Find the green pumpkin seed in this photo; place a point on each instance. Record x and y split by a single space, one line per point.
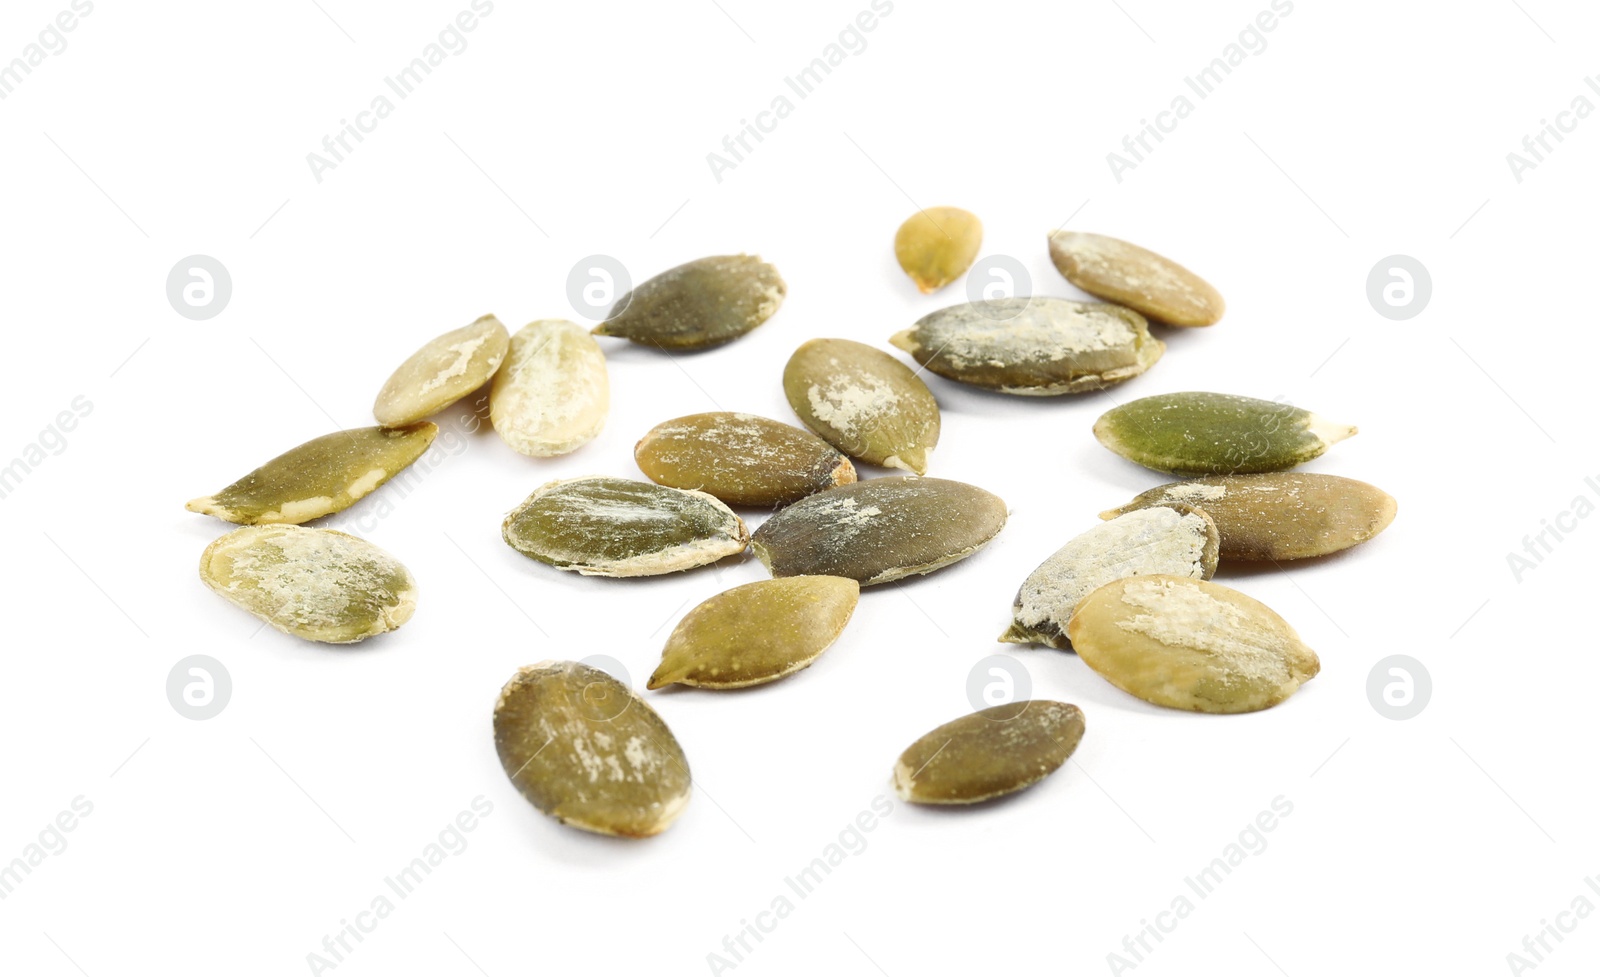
584 749
1035 346
323 476
864 402
741 459
442 372
698 305
1127 274
989 753
1190 644
619 527
1173 539
936 246
880 530
756 633
552 395
316 584
1216 434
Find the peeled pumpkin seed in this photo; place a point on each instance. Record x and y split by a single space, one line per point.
316 584
584 749
1173 539
880 530
1127 274
1035 346
989 753
552 395
323 476
698 305
936 246
1216 434
1190 644
756 633
864 402
442 372
619 527
1279 515
741 459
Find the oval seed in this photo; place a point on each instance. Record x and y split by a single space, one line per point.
1215 434
936 246
1035 345
741 459
756 633
316 584
989 753
1127 274
864 402
880 530
1190 644
619 527
442 372
584 749
698 305
323 476
1173 539
552 395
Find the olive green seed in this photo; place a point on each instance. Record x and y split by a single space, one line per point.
698 305
741 459
1114 270
864 402
990 753
1216 434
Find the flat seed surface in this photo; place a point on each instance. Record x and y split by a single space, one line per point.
698 305
989 753
741 459
316 584
1190 644
584 749
323 476
553 394
442 372
864 402
1129 275
1199 433
936 246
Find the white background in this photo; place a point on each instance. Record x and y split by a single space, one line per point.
234 845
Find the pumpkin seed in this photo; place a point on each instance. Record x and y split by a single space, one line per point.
619 527
1172 539
880 530
1216 434
584 749
698 305
316 584
989 753
442 372
1035 346
552 395
323 476
741 459
1127 274
1190 644
756 633
864 402
936 246
1279 515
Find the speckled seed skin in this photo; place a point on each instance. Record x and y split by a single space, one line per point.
316 584
1190 644
1197 433
582 748
1173 539
698 305
989 753
936 246
323 476
864 402
553 394
1033 346
880 530
1142 280
741 459
442 372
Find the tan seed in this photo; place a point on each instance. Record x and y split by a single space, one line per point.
864 402
989 753
936 246
553 394
442 372
1127 274
741 459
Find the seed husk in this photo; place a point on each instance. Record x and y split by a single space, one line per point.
741 459
1190 644
936 246
698 305
1033 345
443 371
880 530
864 402
1173 539
620 527
323 476
756 633
989 753
1144 281
1216 434
552 395
584 749
1279 515
316 584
